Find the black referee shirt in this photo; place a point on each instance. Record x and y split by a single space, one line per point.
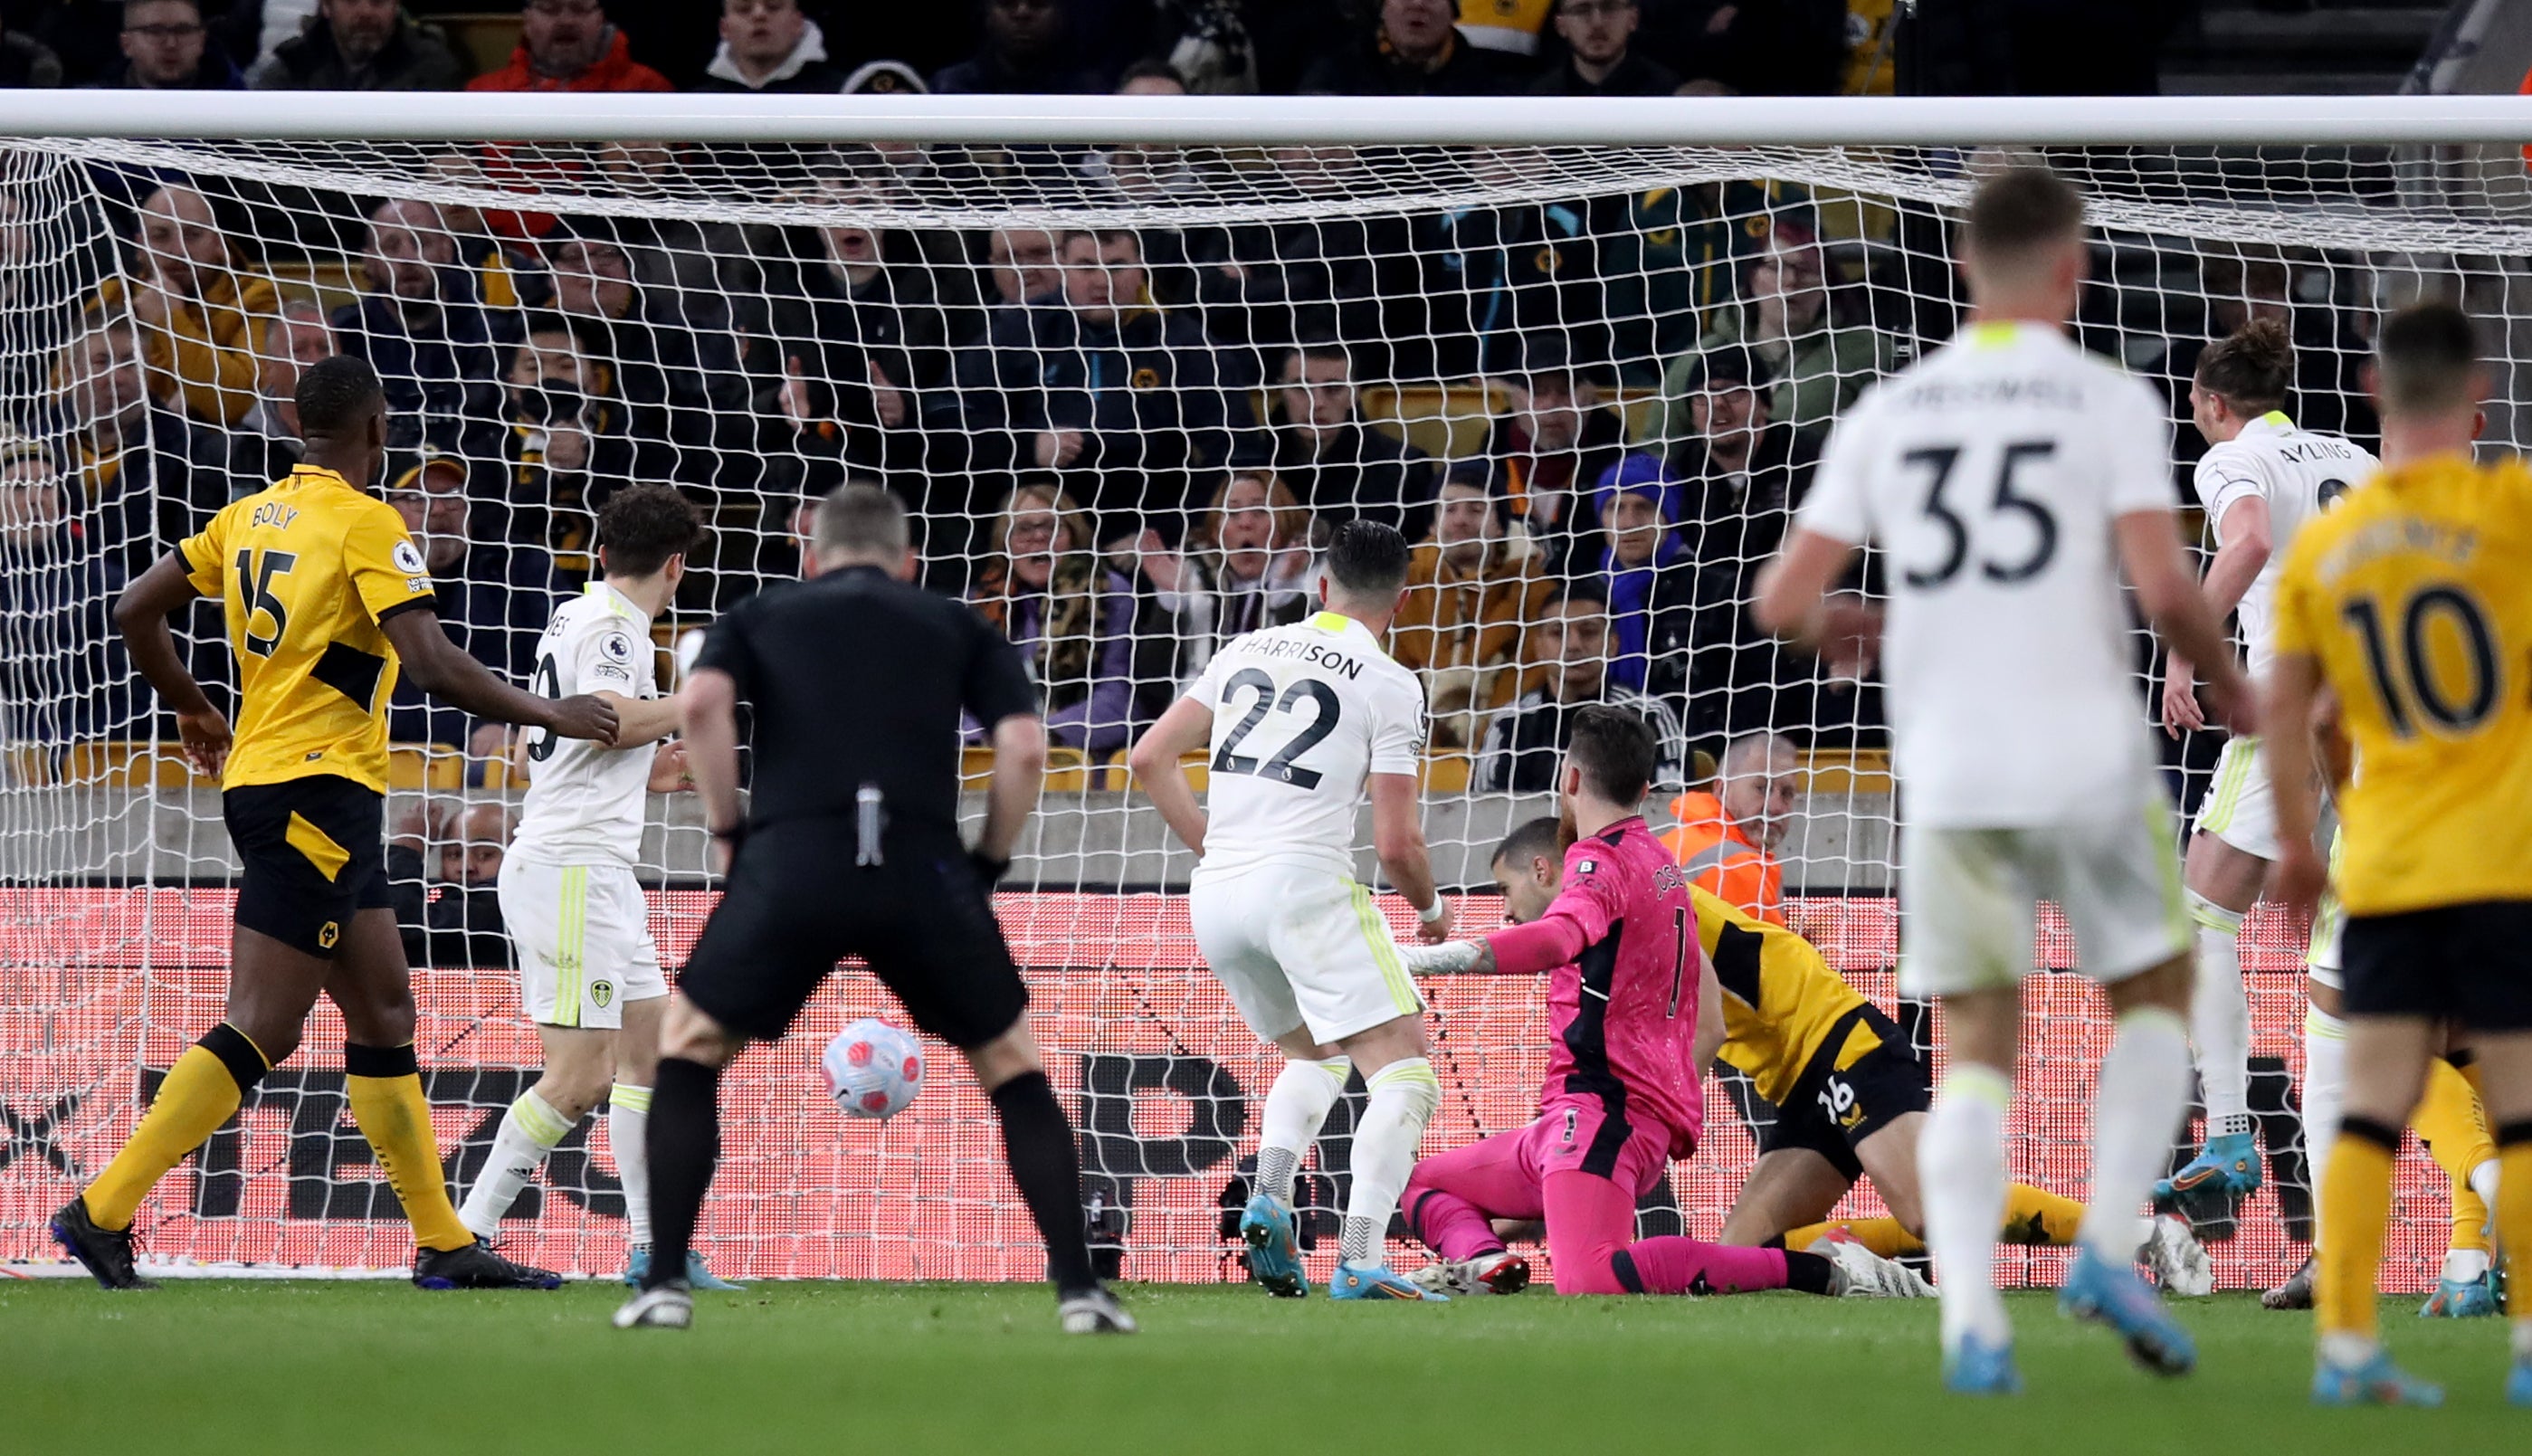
856 677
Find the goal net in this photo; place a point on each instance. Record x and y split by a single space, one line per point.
1125 390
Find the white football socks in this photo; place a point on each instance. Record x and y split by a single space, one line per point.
2325 1092
1960 1155
1295 1108
530 1130
2220 1019
1403 1095
2137 1107
628 1127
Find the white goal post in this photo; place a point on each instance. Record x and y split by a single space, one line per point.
1125 358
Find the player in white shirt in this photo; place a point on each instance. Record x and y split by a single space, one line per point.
2006 478
588 972
2261 478
1304 722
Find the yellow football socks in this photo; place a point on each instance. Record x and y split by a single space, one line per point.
2356 1205
2032 1216
1886 1237
2515 1227
385 1087
202 1091
2448 1122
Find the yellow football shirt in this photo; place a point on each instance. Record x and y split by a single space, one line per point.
1781 999
306 570
2415 595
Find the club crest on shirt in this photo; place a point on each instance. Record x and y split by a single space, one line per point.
407 557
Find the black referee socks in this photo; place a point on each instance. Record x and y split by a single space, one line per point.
684 1145
1037 1143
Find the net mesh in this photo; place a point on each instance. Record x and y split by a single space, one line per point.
1124 393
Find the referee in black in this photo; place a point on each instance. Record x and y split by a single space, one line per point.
850 846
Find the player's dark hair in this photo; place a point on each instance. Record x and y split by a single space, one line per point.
1531 841
2020 211
334 393
1366 559
861 520
2426 356
1616 752
2253 367
639 527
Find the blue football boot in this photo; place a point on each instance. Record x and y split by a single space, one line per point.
2376 1382
1273 1251
2115 1294
1377 1282
1973 1367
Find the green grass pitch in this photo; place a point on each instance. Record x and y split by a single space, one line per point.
378 1367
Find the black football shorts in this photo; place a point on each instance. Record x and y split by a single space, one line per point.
2470 963
314 854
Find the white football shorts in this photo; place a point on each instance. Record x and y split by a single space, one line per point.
2328 923
1300 947
1969 899
582 934
2239 808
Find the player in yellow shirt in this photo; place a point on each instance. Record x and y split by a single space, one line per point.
1835 1091
324 593
2412 604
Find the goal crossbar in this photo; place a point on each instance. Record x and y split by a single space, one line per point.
1252 121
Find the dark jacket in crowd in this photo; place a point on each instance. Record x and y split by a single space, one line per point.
1635 75
1495 273
495 605
1735 678
1147 393
63 675
1368 68
439 362
413 60
456 926
1365 474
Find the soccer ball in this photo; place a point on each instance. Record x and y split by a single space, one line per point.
872 1068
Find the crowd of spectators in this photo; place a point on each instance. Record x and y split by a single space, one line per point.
990 47
1122 443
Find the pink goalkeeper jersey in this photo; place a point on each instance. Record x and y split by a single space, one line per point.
1622 1000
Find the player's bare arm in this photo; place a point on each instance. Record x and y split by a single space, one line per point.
1019 772
640 721
442 668
1156 765
2293 689
1709 1018
709 709
1398 839
2243 545
2157 567
140 614
1793 600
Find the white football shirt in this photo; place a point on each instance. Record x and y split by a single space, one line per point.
2298 473
585 802
1990 473
1301 715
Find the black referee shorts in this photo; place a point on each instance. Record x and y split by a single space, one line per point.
2470 963
314 851
796 903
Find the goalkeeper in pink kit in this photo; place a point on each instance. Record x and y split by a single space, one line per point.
1635 1020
